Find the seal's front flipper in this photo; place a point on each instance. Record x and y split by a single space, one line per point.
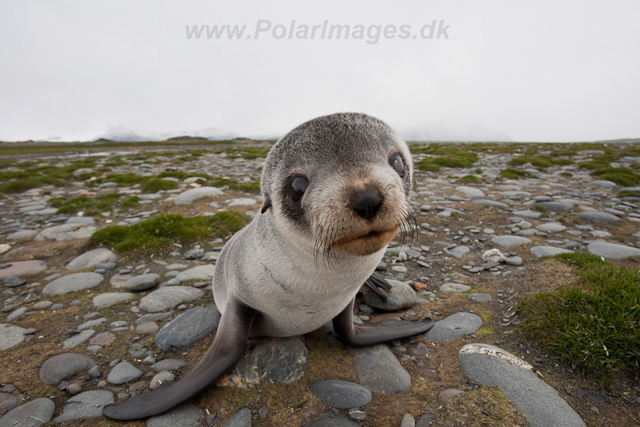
373 333
376 284
227 348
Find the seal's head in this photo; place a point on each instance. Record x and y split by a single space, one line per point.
341 181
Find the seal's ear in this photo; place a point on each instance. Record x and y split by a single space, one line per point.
266 205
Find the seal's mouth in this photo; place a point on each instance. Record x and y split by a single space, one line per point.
365 243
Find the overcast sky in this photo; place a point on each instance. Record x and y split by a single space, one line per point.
527 70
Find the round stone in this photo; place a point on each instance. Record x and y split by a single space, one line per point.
64 366
510 241
10 336
32 414
92 259
123 372
341 394
143 282
612 251
112 298
453 327
72 283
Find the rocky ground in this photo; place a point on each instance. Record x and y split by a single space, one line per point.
84 326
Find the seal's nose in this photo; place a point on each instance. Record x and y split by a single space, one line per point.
366 202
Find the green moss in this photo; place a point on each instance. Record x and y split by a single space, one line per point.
19 186
470 179
539 208
621 176
164 229
510 173
567 174
540 161
594 325
153 185
599 162
627 193
130 202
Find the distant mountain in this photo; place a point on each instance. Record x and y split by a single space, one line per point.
123 134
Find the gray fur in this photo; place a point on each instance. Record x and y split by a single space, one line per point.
278 263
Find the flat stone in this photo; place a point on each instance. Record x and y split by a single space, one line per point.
399 296
557 206
104 339
10 336
201 272
88 404
471 192
21 234
123 372
492 203
379 370
91 323
551 227
480 297
16 313
193 194
188 328
540 251
330 419
341 394
168 365
454 287
601 217
510 241
23 268
604 183
242 202
169 297
72 283
32 414
612 251
142 283
64 366
276 360
78 339
112 298
91 259
528 213
148 328
514 194
242 418
65 232
458 251
14 281
186 415
453 327
540 404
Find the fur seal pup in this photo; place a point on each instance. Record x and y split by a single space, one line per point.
336 191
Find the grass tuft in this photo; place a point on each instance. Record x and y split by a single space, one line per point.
595 326
621 176
511 173
164 229
153 185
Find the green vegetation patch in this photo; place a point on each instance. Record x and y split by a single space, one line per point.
183 175
621 176
629 193
164 229
540 161
89 205
470 179
447 155
511 173
250 187
153 185
595 325
599 162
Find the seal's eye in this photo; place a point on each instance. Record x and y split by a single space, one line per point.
298 187
396 163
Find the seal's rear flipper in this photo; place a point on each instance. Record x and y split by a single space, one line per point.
373 333
376 283
227 348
